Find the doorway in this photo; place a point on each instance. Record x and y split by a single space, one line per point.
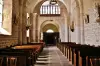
50 38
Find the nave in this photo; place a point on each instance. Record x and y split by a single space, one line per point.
28 26
52 56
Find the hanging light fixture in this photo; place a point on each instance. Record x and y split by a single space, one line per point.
53 2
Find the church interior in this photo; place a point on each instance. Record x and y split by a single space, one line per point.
49 32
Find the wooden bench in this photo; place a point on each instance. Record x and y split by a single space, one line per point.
80 55
37 47
15 57
91 53
23 52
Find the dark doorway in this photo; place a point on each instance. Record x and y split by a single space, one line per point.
51 38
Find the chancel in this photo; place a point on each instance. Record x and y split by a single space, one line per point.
49 32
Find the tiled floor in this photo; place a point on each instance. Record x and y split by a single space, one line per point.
51 56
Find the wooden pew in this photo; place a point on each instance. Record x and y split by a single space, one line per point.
81 55
69 50
35 53
92 53
13 57
42 44
13 51
76 58
38 47
62 47
94 61
65 48
83 52
74 53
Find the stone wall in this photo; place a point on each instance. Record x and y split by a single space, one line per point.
92 29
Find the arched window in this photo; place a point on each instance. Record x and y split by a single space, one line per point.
1 9
50 8
49 31
6 17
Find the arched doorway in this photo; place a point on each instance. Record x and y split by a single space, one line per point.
50 34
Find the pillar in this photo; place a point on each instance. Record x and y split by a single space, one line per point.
39 35
69 21
78 29
35 27
82 24
31 36
68 24
82 30
66 31
24 37
20 22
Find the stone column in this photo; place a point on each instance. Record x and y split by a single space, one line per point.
68 24
24 37
20 22
82 24
69 21
82 30
39 35
78 30
34 26
31 36
66 31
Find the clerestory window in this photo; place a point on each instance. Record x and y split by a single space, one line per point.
50 8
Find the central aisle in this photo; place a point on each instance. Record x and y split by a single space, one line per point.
51 56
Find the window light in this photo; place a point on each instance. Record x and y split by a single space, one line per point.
50 31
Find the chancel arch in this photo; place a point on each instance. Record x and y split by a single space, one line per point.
50 30
58 19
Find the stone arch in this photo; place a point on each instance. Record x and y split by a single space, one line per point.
65 14
50 26
60 3
41 2
46 22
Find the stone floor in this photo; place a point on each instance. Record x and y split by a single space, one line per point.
51 56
